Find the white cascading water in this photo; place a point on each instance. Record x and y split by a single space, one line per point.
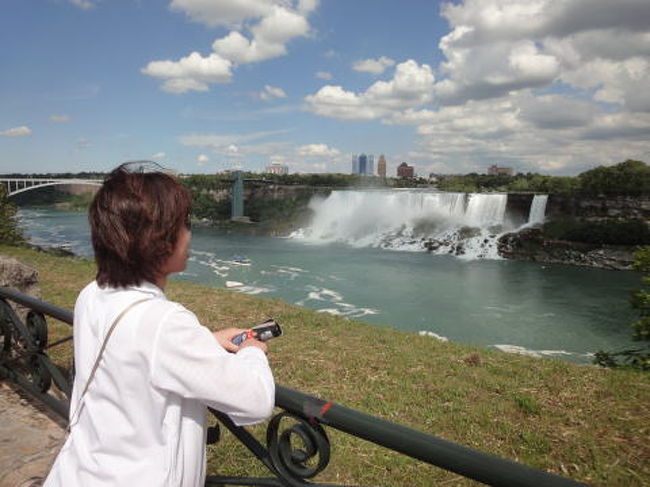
537 209
466 225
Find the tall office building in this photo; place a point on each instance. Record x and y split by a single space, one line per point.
381 166
363 164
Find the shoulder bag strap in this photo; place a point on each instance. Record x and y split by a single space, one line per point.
99 356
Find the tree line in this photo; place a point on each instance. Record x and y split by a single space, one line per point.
626 178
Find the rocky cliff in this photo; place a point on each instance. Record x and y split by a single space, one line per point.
593 208
530 244
586 230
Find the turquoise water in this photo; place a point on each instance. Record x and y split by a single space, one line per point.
546 310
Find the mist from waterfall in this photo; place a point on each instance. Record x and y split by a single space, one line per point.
466 225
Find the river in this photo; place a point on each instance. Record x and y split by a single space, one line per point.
542 310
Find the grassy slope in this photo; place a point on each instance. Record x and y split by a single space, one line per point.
587 423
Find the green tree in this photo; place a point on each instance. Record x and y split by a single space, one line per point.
638 358
629 177
641 298
9 232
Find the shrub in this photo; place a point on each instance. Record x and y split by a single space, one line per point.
9 232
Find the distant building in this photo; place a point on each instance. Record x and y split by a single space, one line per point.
405 171
276 168
381 166
363 164
495 170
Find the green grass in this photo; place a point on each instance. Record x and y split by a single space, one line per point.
587 423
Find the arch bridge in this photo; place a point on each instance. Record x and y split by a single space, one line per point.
20 185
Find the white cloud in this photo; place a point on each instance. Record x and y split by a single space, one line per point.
272 92
323 75
60 118
227 13
226 143
620 82
499 46
269 38
83 4
193 72
373 66
317 150
412 85
547 133
158 155
551 85
492 70
556 111
202 159
21 131
269 24
486 21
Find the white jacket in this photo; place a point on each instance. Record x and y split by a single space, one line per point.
143 419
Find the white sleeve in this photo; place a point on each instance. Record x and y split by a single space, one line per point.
188 360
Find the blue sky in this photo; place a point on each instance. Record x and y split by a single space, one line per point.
555 86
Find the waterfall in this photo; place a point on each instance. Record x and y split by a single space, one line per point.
486 209
462 224
537 209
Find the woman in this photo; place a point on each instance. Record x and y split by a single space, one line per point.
142 419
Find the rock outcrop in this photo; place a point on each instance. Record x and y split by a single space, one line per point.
531 245
596 208
21 277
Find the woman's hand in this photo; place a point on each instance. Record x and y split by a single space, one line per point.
252 342
224 337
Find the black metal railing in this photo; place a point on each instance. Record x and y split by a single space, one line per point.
297 446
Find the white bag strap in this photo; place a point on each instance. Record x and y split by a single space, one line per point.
99 357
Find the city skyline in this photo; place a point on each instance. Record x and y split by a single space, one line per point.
200 87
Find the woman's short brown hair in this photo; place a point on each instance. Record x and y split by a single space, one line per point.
135 219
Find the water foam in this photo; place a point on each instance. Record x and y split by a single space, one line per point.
536 353
466 225
335 304
431 334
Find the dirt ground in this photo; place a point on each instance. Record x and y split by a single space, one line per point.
30 437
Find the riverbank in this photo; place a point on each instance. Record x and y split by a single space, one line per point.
584 422
531 245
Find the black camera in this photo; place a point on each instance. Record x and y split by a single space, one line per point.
262 332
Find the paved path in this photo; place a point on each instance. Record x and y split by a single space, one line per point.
30 437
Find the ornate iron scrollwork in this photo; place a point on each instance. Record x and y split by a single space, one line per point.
38 372
23 345
5 331
292 461
37 327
